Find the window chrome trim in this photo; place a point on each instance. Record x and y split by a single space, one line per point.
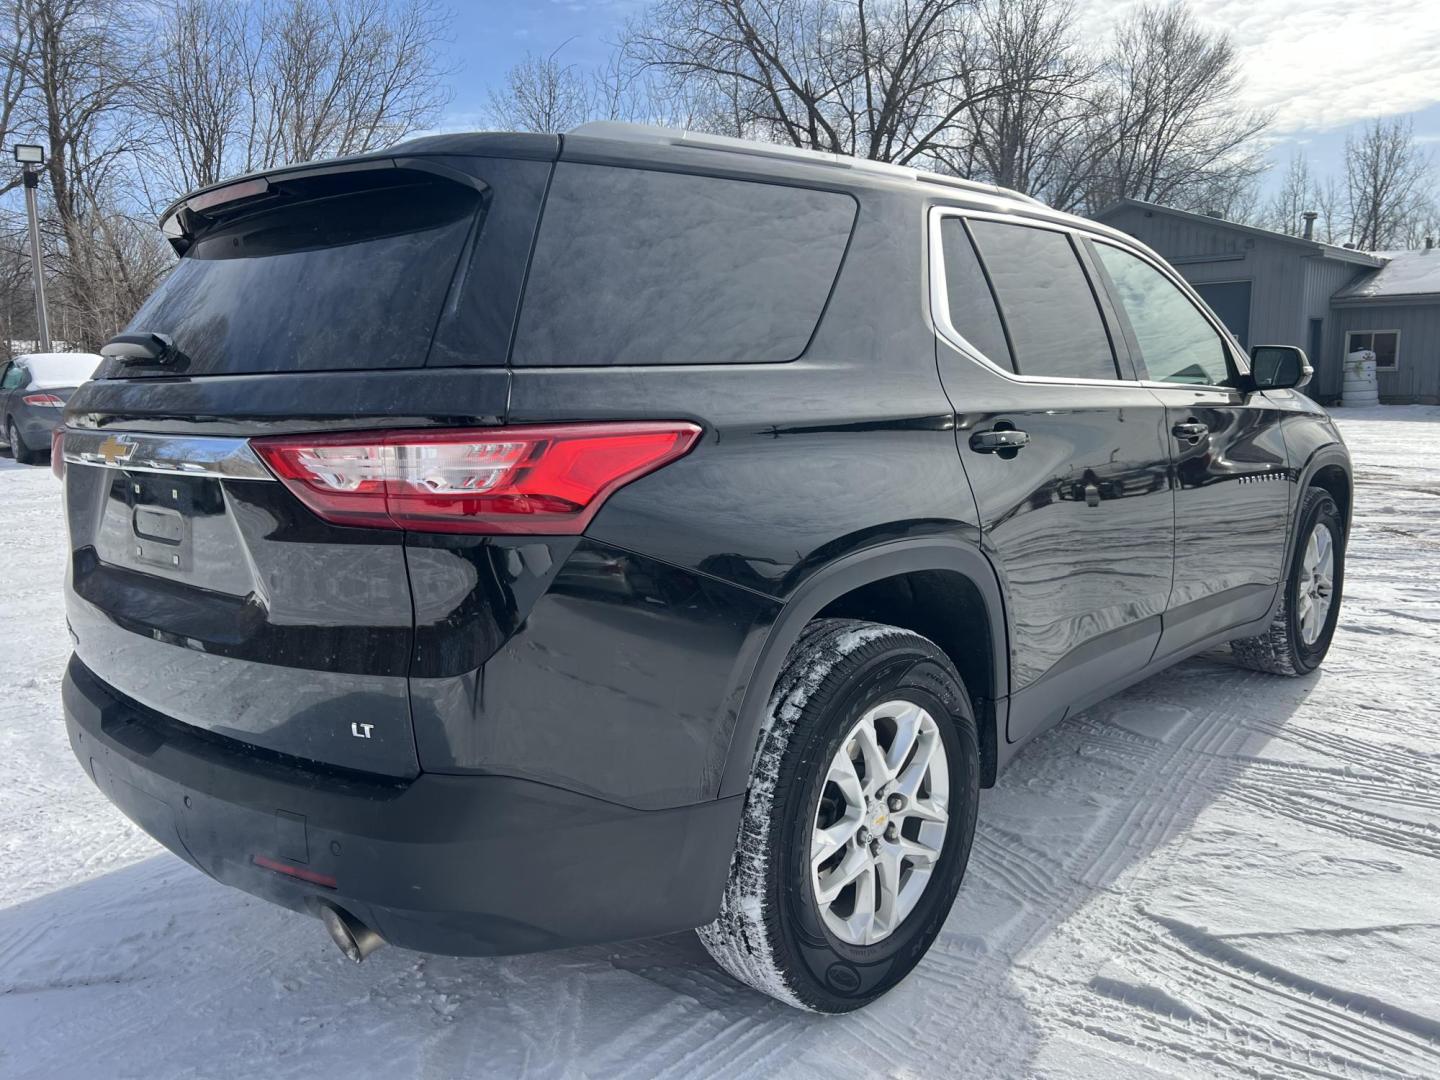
170 455
940 304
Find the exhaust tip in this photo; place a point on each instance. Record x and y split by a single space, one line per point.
351 936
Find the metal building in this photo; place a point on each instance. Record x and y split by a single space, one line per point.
1273 289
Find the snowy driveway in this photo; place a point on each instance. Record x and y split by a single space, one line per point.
1218 874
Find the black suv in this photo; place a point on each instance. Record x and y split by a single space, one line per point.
503 542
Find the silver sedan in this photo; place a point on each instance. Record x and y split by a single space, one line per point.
33 391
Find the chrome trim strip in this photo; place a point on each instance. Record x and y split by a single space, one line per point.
171 455
940 299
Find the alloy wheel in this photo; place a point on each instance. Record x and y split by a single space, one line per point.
880 825
1316 587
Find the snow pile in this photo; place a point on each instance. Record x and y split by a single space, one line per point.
1218 874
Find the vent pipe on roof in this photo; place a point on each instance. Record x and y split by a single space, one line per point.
1349 246
1309 216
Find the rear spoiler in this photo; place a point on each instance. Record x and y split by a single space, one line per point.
189 215
192 213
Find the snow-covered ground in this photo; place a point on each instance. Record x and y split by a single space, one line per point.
1218 874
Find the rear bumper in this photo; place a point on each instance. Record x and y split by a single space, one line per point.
37 425
463 865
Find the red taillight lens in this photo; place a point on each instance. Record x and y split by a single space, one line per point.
57 452
45 401
480 480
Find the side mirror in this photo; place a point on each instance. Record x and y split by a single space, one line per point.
1279 367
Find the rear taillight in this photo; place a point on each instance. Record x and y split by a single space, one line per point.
45 401
57 452
480 480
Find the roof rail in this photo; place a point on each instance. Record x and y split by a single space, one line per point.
612 129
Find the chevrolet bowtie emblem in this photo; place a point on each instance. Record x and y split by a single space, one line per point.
115 449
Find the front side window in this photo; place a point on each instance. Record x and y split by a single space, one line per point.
1385 344
1046 301
1177 343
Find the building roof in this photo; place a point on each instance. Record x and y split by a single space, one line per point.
1313 247
1407 276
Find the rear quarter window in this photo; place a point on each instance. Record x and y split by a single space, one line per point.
642 267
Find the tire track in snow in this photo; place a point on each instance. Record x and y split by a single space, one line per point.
1196 768
1353 822
1380 1030
1244 1008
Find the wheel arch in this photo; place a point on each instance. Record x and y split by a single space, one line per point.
1334 477
1328 468
911 584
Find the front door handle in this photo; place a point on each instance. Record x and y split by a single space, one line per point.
1191 431
998 441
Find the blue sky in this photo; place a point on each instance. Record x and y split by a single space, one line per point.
492 35
1324 66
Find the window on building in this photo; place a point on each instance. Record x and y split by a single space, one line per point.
1046 300
1385 344
1177 342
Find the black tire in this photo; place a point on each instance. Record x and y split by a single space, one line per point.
22 453
1283 650
769 932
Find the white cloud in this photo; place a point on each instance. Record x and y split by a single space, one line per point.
1323 64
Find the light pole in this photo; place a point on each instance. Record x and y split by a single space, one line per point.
32 158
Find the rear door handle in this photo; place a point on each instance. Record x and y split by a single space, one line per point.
1191 431
999 440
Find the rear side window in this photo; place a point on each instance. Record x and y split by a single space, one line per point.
1177 343
354 279
971 304
1046 301
641 267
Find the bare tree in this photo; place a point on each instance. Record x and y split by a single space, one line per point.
197 97
885 79
1176 134
1422 224
1329 204
1035 130
331 77
250 86
542 94
1387 176
82 70
81 75
17 55
1297 193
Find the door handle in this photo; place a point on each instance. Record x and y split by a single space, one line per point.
1190 431
998 441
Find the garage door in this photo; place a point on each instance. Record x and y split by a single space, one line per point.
1231 301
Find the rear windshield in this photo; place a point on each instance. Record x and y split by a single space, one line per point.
355 279
643 267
